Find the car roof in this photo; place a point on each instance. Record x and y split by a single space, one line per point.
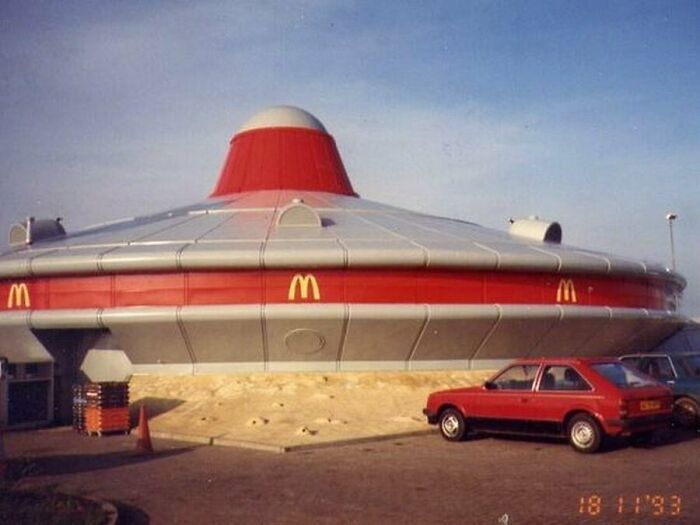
661 354
564 360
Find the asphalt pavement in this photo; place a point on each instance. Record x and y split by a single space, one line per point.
425 479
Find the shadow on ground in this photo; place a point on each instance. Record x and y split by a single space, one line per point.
130 514
76 463
668 438
155 406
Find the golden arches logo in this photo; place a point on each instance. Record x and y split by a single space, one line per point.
18 296
566 291
303 282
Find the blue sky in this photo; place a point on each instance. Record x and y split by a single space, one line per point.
583 112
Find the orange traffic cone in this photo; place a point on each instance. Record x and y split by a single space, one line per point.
144 438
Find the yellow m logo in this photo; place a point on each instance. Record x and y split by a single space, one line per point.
302 282
566 291
18 296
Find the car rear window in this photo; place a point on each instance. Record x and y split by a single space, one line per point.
562 378
622 376
691 364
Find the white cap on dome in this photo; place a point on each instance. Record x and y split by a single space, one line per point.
283 117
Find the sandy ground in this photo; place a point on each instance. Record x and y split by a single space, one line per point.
287 410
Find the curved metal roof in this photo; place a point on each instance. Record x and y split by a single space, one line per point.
242 231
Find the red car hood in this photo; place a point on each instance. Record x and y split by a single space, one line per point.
465 390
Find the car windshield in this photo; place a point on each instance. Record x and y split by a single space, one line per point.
690 364
622 376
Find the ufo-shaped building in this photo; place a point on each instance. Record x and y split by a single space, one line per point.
285 268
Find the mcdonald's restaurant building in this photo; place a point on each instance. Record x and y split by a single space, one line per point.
284 268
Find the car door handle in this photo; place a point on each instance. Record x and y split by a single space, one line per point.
524 400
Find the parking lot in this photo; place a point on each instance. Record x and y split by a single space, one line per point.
418 480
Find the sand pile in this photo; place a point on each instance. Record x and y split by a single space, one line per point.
285 409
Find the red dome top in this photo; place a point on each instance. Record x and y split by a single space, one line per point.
283 148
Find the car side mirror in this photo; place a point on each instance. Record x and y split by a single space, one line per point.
490 385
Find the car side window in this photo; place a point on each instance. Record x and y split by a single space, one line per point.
634 362
659 368
562 378
690 364
517 377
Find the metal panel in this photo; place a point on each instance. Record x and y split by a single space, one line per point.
316 199
14 319
407 226
189 231
224 334
517 331
123 232
356 204
574 261
301 235
465 231
454 332
573 331
655 329
489 364
348 226
148 335
356 366
387 252
17 265
163 369
228 368
19 345
303 333
242 226
382 332
248 200
624 323
514 256
303 254
301 366
141 258
69 261
616 265
144 290
239 254
458 364
65 319
458 254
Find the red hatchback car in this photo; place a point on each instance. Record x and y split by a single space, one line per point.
582 399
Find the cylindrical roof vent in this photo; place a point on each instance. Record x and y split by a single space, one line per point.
536 229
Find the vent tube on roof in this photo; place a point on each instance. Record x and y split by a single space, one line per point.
536 230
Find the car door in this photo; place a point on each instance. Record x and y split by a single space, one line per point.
560 388
504 406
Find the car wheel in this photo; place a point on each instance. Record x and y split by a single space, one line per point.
452 425
584 434
686 412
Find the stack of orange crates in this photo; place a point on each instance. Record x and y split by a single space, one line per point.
106 408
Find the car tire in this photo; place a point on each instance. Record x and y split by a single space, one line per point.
584 434
686 412
452 425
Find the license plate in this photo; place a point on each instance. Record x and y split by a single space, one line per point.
650 405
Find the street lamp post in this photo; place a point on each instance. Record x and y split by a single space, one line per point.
670 217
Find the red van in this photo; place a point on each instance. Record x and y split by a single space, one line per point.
583 399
